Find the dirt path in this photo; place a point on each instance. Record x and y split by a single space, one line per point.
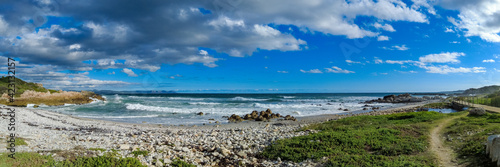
443 153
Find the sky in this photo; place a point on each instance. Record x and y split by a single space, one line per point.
282 46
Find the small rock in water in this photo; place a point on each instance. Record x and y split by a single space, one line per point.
200 113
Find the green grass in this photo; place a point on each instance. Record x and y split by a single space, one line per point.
468 135
388 140
139 152
180 163
98 149
33 159
21 86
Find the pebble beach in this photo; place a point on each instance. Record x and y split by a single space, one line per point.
230 144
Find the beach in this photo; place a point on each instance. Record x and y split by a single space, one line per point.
208 145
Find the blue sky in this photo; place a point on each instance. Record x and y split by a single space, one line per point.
254 46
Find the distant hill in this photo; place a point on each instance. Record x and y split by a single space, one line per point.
483 90
21 86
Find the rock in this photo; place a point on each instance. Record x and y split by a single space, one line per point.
200 113
254 114
365 108
268 111
288 117
260 118
124 147
235 118
346 109
36 106
248 117
477 111
225 151
158 163
167 161
242 154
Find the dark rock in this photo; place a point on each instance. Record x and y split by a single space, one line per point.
365 108
346 109
260 118
235 118
248 117
340 109
200 113
288 117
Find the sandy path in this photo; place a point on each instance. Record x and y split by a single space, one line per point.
443 153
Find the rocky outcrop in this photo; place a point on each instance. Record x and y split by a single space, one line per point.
255 115
457 106
403 98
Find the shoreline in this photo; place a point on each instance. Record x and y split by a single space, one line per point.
205 145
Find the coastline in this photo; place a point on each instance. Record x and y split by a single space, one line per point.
207 145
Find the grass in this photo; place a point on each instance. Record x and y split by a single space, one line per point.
139 152
36 160
387 140
32 93
97 149
467 136
180 163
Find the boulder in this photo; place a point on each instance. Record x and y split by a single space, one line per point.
477 111
235 118
288 117
200 113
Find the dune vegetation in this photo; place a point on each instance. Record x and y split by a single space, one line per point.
387 140
33 93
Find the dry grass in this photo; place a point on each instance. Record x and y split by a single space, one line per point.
51 99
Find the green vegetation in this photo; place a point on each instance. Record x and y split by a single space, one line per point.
483 90
20 141
33 93
36 160
467 136
492 99
21 86
387 140
180 163
25 159
103 161
139 152
98 149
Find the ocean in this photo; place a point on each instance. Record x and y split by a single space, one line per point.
181 109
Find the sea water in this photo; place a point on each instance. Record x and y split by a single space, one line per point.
177 109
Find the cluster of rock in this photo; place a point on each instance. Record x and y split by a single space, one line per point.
403 98
262 116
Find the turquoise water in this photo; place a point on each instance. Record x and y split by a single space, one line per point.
175 109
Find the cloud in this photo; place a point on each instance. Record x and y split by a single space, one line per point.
378 60
284 72
129 72
382 38
399 62
352 62
336 69
316 71
386 27
396 47
476 18
448 30
446 57
489 61
444 69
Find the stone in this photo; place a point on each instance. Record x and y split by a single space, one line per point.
242 154
225 151
477 111
124 147
200 113
235 118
